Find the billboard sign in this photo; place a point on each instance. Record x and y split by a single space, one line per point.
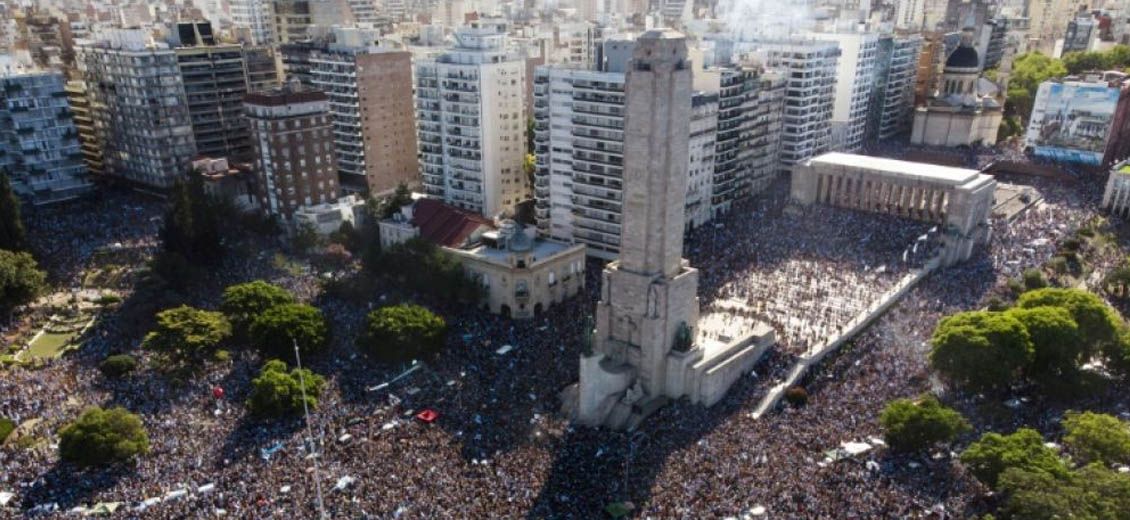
1071 121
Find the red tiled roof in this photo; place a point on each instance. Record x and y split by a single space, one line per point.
444 225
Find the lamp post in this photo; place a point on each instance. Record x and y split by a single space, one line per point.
309 433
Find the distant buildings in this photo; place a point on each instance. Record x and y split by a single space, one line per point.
472 119
1084 120
256 17
138 106
892 96
39 146
294 153
854 80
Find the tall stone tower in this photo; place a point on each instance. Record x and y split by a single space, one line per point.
649 294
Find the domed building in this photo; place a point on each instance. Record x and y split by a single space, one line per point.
966 108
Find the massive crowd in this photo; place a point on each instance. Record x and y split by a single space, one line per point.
498 449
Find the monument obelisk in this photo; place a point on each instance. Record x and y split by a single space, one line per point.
649 295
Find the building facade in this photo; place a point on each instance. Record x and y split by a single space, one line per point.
256 17
292 135
471 115
701 164
1081 119
215 81
892 98
855 79
370 91
138 106
39 145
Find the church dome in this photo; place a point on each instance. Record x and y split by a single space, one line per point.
964 57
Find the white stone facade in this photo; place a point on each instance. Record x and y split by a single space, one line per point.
472 119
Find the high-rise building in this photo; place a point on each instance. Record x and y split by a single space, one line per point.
215 81
809 71
256 17
84 124
292 20
262 71
472 117
139 107
700 166
292 132
370 92
39 146
855 77
892 98
579 146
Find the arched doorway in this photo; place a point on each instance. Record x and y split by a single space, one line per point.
537 310
504 311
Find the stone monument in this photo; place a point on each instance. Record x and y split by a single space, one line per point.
647 346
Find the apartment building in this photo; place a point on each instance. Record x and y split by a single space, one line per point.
892 98
256 18
84 125
370 94
855 78
294 162
215 81
471 114
808 69
39 146
138 107
704 129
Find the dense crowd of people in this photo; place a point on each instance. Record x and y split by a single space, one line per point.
499 448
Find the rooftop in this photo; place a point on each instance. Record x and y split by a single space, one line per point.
542 249
948 175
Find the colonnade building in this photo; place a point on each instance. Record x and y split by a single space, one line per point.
960 199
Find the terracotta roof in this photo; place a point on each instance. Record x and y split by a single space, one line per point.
445 225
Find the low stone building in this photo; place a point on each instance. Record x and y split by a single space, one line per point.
522 275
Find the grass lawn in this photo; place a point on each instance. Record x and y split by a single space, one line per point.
48 345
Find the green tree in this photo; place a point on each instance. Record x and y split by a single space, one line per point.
191 227
402 332
1056 341
1028 71
7 426
101 437
305 237
277 393
12 234
433 272
243 302
1079 62
917 425
1034 279
1099 326
400 198
1024 449
21 280
277 329
981 350
1093 492
117 365
1096 437
185 335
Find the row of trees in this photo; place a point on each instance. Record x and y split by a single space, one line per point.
1038 482
1044 339
418 265
1031 69
21 279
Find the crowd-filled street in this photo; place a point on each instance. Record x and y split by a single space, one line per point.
499 448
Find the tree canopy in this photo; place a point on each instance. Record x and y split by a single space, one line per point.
12 234
1096 437
1098 324
917 425
185 335
243 302
981 350
1028 71
101 437
21 280
190 232
276 329
1056 342
403 332
432 272
277 392
1024 449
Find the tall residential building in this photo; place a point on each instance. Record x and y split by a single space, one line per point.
855 77
700 158
39 146
215 81
472 119
256 17
892 98
294 153
262 71
370 92
138 106
84 124
292 19
579 145
809 71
